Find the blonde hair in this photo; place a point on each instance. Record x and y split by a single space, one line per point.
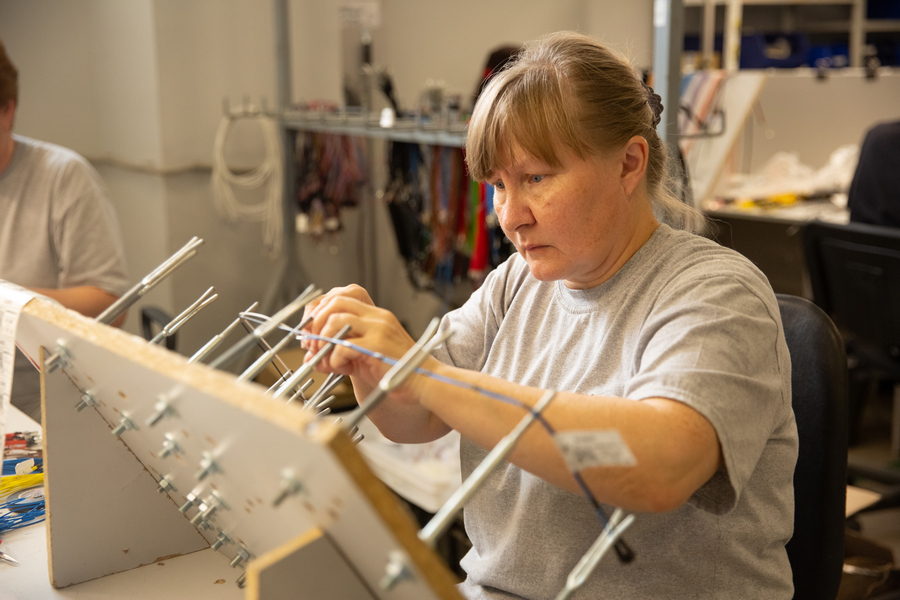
569 89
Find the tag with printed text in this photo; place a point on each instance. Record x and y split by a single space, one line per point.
594 448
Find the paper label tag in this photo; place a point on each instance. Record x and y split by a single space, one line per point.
12 299
594 448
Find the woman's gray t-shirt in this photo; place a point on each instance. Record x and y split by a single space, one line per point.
684 319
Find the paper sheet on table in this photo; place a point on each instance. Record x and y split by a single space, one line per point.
12 299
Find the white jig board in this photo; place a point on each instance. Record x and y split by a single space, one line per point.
252 438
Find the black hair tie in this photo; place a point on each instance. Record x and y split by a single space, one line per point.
655 102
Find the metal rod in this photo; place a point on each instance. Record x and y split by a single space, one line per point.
146 284
608 537
208 297
281 367
397 374
261 362
329 384
308 295
299 392
327 402
439 523
187 252
214 343
306 369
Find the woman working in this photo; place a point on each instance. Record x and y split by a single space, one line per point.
644 328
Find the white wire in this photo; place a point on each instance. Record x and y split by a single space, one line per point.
269 173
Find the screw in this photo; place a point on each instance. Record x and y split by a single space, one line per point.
242 555
189 502
125 423
170 446
163 409
395 571
221 540
87 399
165 485
207 466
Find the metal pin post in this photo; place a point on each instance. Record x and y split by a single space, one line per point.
221 540
214 343
439 523
260 363
308 367
146 284
329 384
397 374
308 295
208 297
608 537
299 391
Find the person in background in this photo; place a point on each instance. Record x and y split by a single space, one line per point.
59 235
874 195
641 326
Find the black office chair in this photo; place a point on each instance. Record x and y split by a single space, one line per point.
153 319
854 270
819 399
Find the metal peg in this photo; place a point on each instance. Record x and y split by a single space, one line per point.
208 297
397 374
210 346
439 523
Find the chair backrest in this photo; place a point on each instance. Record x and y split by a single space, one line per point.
854 270
819 390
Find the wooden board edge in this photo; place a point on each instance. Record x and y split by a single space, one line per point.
441 580
246 396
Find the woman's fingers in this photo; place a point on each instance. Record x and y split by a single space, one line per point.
315 308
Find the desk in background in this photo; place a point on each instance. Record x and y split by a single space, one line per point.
772 239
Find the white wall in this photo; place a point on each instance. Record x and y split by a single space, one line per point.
138 87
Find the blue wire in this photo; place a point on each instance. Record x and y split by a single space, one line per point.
465 385
23 512
9 465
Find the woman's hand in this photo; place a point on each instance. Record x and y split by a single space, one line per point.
372 328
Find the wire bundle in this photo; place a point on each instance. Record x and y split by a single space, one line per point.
269 173
10 464
22 510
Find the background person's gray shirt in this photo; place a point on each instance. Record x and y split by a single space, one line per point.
684 319
58 230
